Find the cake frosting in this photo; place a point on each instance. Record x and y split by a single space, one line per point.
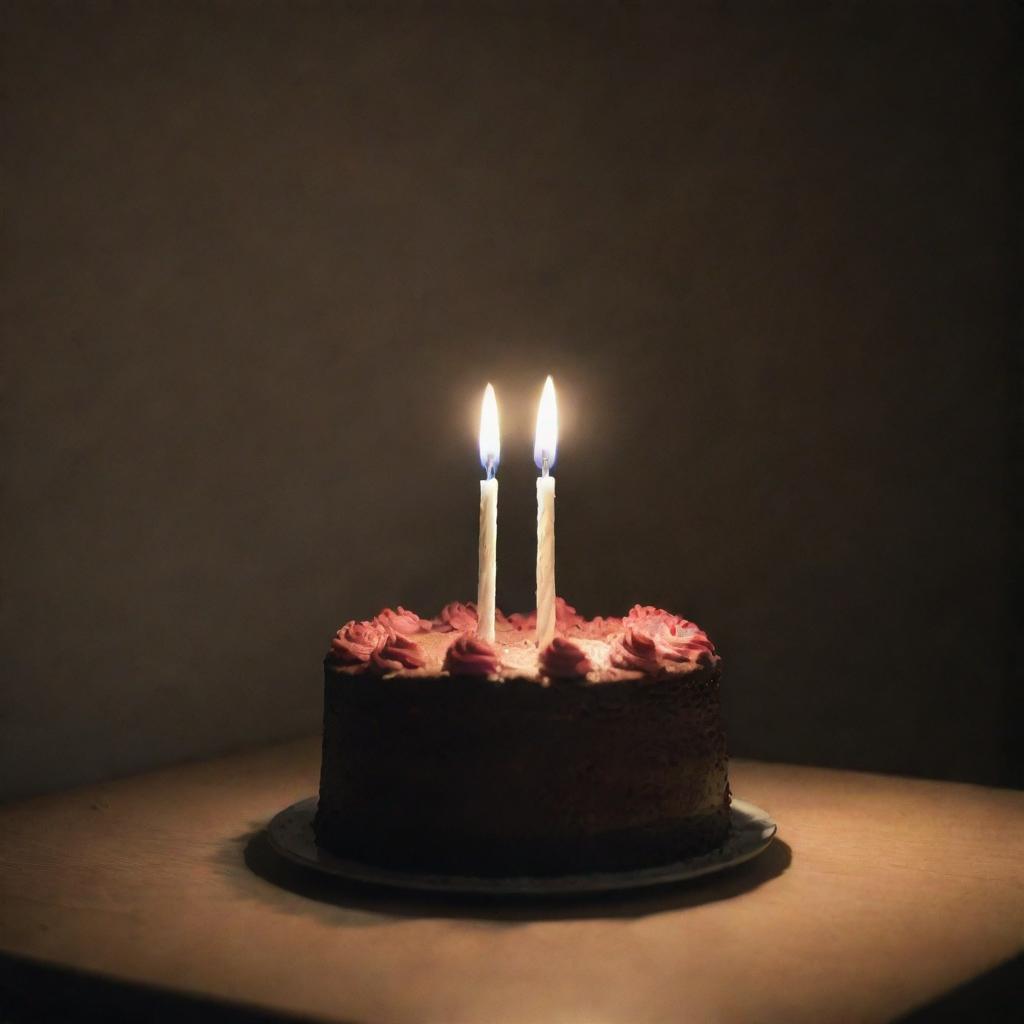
564 659
401 620
456 617
471 656
636 649
355 643
396 653
646 642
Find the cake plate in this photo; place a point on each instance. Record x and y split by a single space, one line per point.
291 835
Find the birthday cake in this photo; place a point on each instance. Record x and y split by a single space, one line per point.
448 754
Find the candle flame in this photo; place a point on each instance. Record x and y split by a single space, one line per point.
545 444
490 439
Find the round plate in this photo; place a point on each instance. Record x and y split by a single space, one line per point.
291 835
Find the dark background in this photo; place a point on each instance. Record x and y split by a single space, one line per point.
260 259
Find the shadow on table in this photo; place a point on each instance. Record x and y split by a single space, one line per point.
362 904
33 992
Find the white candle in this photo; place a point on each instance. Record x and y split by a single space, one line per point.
544 449
487 569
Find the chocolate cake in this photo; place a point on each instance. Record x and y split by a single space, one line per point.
447 754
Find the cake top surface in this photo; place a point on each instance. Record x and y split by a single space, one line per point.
646 642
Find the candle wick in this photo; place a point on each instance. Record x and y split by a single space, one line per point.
544 468
490 468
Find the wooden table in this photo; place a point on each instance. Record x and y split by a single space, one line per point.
878 895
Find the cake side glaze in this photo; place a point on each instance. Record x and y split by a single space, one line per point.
467 775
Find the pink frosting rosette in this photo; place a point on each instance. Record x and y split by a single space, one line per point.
456 618
471 656
637 651
564 659
395 652
355 642
686 643
401 620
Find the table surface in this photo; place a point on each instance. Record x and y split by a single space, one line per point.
878 895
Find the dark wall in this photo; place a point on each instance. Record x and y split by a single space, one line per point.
260 260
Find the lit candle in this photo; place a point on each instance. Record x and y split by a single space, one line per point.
544 446
487 571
